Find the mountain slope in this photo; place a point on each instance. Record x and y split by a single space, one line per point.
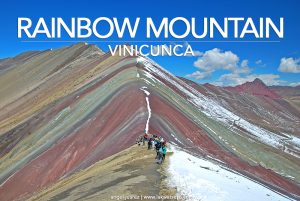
63 117
291 94
131 170
286 91
276 115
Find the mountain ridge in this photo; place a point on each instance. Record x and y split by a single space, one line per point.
256 87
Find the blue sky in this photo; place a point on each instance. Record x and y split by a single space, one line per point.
250 59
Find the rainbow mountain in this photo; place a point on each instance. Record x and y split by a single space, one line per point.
67 113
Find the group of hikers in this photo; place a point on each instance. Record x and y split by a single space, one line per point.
156 142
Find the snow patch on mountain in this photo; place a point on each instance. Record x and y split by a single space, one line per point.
145 91
211 182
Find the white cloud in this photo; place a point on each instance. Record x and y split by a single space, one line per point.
199 75
244 63
243 69
233 79
293 84
239 72
197 53
289 65
258 62
216 59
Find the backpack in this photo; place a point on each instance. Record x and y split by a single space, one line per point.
164 150
157 145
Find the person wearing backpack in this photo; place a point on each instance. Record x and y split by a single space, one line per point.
150 143
157 147
145 138
164 150
162 154
139 140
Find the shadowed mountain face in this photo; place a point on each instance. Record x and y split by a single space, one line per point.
63 110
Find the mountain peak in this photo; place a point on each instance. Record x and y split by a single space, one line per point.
257 88
258 81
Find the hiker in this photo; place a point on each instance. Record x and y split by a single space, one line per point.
139 140
157 147
145 138
162 139
161 154
153 142
164 150
150 143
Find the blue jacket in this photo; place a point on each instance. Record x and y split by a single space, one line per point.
163 150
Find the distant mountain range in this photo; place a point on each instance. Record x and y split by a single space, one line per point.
256 88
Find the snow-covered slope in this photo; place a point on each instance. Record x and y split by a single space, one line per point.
202 180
